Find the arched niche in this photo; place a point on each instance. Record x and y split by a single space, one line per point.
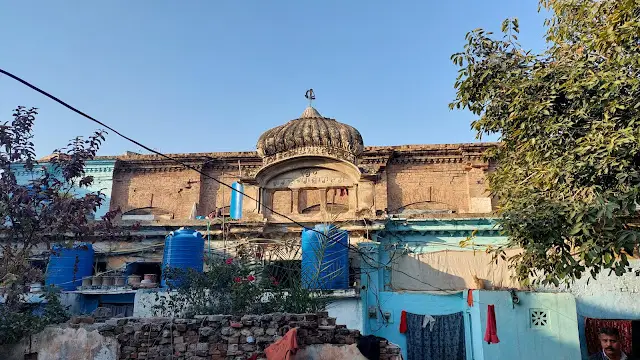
275 170
309 188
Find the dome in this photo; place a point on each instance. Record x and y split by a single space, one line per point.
311 134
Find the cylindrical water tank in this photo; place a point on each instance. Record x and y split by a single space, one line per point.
235 208
67 266
183 249
325 258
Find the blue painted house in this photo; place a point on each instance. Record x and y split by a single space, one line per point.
429 267
101 170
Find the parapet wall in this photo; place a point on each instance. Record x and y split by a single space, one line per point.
222 337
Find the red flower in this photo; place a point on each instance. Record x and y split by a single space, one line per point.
251 278
229 261
237 279
276 283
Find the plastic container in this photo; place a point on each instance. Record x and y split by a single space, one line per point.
235 207
325 258
68 266
183 249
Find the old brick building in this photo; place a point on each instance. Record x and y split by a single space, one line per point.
307 171
310 169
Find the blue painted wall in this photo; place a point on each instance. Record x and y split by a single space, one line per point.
394 303
519 338
90 302
101 170
417 303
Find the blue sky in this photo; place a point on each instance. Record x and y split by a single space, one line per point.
202 75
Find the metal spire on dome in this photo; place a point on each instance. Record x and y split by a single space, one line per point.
310 95
310 112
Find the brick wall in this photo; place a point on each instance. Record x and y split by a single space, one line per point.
221 337
433 186
437 177
172 191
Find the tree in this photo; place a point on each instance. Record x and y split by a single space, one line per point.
46 210
568 173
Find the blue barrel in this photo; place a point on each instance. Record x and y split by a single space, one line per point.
67 266
183 249
235 208
325 258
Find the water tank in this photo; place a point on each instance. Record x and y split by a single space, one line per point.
183 249
67 266
325 258
235 208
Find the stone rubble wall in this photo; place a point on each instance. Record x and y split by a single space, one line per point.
223 337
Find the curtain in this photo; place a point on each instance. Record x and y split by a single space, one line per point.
593 326
445 341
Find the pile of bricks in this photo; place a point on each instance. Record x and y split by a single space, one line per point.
223 337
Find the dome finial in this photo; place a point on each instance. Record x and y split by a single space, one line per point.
310 95
310 112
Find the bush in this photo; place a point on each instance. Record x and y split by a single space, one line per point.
233 287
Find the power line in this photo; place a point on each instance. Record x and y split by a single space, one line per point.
72 108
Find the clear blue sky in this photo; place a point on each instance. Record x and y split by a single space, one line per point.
201 76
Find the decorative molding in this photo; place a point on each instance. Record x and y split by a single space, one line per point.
322 151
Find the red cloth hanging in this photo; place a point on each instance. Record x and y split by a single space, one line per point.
284 348
470 297
403 322
491 334
592 328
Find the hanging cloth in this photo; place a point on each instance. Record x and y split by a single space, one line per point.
403 322
445 341
470 297
592 328
284 348
491 334
369 347
428 320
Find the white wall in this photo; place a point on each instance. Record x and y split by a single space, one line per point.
347 312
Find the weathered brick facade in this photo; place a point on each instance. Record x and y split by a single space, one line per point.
419 177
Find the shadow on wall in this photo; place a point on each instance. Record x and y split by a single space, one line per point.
451 270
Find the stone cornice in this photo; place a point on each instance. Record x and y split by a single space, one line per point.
376 156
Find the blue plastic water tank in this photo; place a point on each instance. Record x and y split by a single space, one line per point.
325 258
183 249
235 208
67 266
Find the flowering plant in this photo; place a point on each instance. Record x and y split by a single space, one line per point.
232 286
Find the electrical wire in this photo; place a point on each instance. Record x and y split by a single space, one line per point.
137 143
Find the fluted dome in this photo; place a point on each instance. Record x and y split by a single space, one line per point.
311 134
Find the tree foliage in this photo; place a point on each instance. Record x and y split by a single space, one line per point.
55 206
568 171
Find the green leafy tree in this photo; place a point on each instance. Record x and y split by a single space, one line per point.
568 167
